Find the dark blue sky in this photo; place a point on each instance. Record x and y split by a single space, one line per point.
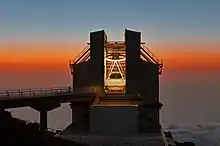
159 20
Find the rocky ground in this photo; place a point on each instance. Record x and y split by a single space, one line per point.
14 131
19 132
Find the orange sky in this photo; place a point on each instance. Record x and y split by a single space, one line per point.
56 55
188 55
25 65
39 53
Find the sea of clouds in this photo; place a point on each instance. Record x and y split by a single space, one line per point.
201 135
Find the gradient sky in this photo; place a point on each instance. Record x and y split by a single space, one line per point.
71 20
34 27
38 37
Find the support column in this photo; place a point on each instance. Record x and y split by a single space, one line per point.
76 112
133 62
43 108
96 69
149 91
149 118
79 111
43 120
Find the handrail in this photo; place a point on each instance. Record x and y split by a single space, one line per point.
119 42
151 54
167 141
116 42
82 58
79 60
28 89
34 92
145 56
146 52
42 92
81 53
86 57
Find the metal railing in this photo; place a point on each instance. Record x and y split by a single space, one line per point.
151 55
145 58
116 42
167 141
82 53
148 55
34 92
29 93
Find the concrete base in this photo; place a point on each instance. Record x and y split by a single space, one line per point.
110 119
113 124
134 140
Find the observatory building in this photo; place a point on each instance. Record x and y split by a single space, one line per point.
125 77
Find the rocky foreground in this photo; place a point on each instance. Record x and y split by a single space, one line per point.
14 131
19 132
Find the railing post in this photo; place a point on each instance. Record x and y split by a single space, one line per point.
30 91
19 93
45 92
69 88
8 95
34 93
43 120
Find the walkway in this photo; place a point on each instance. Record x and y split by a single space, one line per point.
28 97
32 93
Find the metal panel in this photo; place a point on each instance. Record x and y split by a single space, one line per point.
148 120
149 90
133 61
81 75
149 85
96 72
113 120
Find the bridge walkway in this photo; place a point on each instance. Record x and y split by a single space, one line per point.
30 97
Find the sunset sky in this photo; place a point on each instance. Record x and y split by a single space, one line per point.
38 37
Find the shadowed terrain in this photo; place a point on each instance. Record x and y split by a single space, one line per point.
19 132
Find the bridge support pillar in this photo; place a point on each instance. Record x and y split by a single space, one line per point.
43 120
43 108
79 111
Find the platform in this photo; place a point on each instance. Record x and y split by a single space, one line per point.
111 125
128 140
